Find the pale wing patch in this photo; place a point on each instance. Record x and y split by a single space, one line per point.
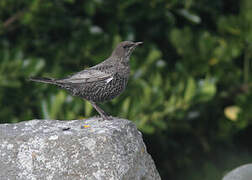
87 76
108 80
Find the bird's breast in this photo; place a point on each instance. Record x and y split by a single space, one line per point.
123 71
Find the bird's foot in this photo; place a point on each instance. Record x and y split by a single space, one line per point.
103 115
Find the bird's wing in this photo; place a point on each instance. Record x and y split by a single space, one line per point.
87 76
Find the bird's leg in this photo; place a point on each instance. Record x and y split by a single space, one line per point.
100 111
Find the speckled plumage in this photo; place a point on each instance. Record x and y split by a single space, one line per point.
100 90
102 82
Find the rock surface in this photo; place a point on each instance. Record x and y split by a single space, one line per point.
89 150
241 173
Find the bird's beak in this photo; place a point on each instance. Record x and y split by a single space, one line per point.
138 43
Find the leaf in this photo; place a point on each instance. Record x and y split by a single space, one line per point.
207 89
90 8
232 112
45 112
125 106
190 16
154 55
57 104
31 67
190 90
88 109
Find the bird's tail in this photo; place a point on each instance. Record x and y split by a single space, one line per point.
43 80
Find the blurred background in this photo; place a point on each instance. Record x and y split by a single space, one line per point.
190 86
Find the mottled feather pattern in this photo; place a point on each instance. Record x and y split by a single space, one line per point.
101 82
98 91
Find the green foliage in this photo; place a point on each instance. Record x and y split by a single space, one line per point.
190 89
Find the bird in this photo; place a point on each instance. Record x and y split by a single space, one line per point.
101 82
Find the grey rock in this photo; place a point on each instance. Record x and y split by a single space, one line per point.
241 173
89 150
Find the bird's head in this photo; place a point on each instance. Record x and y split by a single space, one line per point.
124 49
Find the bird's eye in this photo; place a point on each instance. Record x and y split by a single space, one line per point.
126 46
